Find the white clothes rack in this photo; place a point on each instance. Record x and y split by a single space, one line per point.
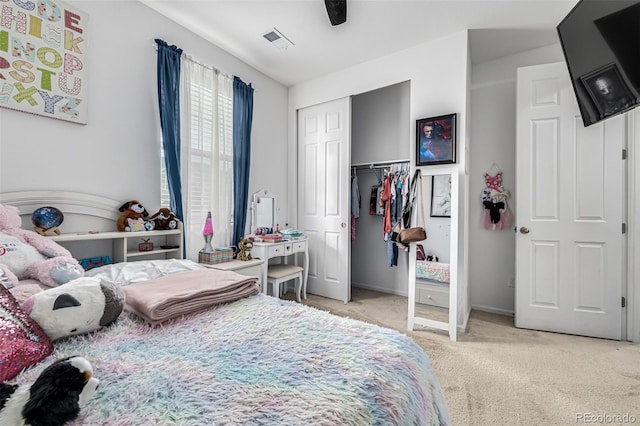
379 164
401 166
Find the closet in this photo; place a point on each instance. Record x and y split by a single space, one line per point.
380 129
367 137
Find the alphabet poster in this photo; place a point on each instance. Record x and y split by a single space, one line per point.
43 66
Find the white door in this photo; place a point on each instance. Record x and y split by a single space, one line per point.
569 199
324 143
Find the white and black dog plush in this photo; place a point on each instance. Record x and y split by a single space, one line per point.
53 399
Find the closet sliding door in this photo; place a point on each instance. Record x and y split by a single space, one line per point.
324 140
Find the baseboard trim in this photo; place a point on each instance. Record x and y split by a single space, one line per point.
493 310
379 289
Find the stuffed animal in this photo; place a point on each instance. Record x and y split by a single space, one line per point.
133 210
27 254
164 219
54 398
78 307
245 245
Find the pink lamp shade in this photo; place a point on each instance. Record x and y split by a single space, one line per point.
207 232
208 225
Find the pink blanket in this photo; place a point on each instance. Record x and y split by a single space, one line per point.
183 293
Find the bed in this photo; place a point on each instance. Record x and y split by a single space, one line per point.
257 360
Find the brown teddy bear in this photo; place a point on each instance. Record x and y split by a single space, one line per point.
163 219
132 212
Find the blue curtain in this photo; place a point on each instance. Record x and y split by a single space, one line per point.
242 118
169 100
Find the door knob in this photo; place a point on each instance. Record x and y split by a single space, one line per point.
524 230
344 225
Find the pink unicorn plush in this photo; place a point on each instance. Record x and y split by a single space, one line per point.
27 254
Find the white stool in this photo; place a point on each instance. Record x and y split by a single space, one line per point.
278 274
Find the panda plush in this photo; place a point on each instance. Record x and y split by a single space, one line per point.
54 399
78 307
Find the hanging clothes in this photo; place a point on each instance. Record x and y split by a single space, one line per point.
355 197
355 204
397 183
385 199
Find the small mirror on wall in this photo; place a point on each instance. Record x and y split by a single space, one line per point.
263 210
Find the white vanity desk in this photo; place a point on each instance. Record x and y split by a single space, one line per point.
263 215
282 249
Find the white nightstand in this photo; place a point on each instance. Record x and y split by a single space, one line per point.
252 268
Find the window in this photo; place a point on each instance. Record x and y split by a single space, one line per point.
206 154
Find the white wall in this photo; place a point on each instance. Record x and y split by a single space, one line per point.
117 154
379 120
492 140
436 89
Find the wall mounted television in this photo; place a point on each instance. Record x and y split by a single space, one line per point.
600 40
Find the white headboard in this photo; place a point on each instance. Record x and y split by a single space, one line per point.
82 212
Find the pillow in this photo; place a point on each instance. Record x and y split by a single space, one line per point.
125 273
24 343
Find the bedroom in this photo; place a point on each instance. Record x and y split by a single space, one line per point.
132 142
123 128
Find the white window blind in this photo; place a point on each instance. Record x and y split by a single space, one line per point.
206 154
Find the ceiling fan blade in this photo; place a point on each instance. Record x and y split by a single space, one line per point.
337 11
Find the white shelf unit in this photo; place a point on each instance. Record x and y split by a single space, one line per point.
91 211
125 244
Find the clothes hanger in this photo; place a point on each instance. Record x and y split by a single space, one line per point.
494 167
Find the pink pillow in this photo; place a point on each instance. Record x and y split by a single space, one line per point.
23 341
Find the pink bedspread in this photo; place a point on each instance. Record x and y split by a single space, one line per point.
183 293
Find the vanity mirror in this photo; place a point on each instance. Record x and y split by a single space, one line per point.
263 210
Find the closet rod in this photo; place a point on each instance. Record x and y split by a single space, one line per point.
377 164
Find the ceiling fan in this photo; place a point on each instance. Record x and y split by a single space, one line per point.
337 11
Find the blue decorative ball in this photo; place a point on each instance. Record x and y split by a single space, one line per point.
47 217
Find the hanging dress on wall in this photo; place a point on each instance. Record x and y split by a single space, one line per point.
496 215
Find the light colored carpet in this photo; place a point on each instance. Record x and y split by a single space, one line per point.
497 374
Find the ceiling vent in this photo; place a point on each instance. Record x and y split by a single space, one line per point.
278 39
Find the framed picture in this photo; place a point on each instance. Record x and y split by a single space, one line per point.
441 196
52 39
436 140
607 90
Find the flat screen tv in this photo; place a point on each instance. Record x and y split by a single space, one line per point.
601 44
